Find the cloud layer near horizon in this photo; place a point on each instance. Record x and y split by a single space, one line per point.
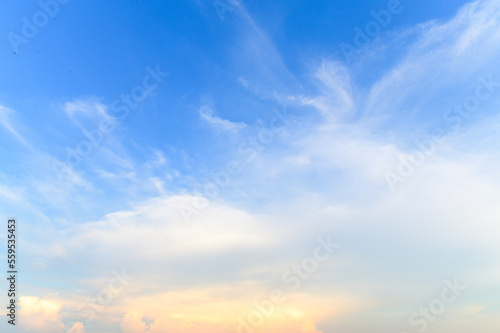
324 173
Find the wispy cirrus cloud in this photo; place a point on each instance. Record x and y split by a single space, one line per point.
324 174
7 122
223 125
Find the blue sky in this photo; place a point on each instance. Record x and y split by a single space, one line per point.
252 134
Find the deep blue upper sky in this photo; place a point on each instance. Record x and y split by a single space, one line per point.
241 67
101 49
345 126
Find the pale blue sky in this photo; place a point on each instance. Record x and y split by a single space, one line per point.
320 140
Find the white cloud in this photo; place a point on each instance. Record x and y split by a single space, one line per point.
90 108
43 316
6 121
132 323
330 177
336 85
441 65
207 114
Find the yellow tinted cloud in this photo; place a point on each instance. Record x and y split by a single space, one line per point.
227 309
42 316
